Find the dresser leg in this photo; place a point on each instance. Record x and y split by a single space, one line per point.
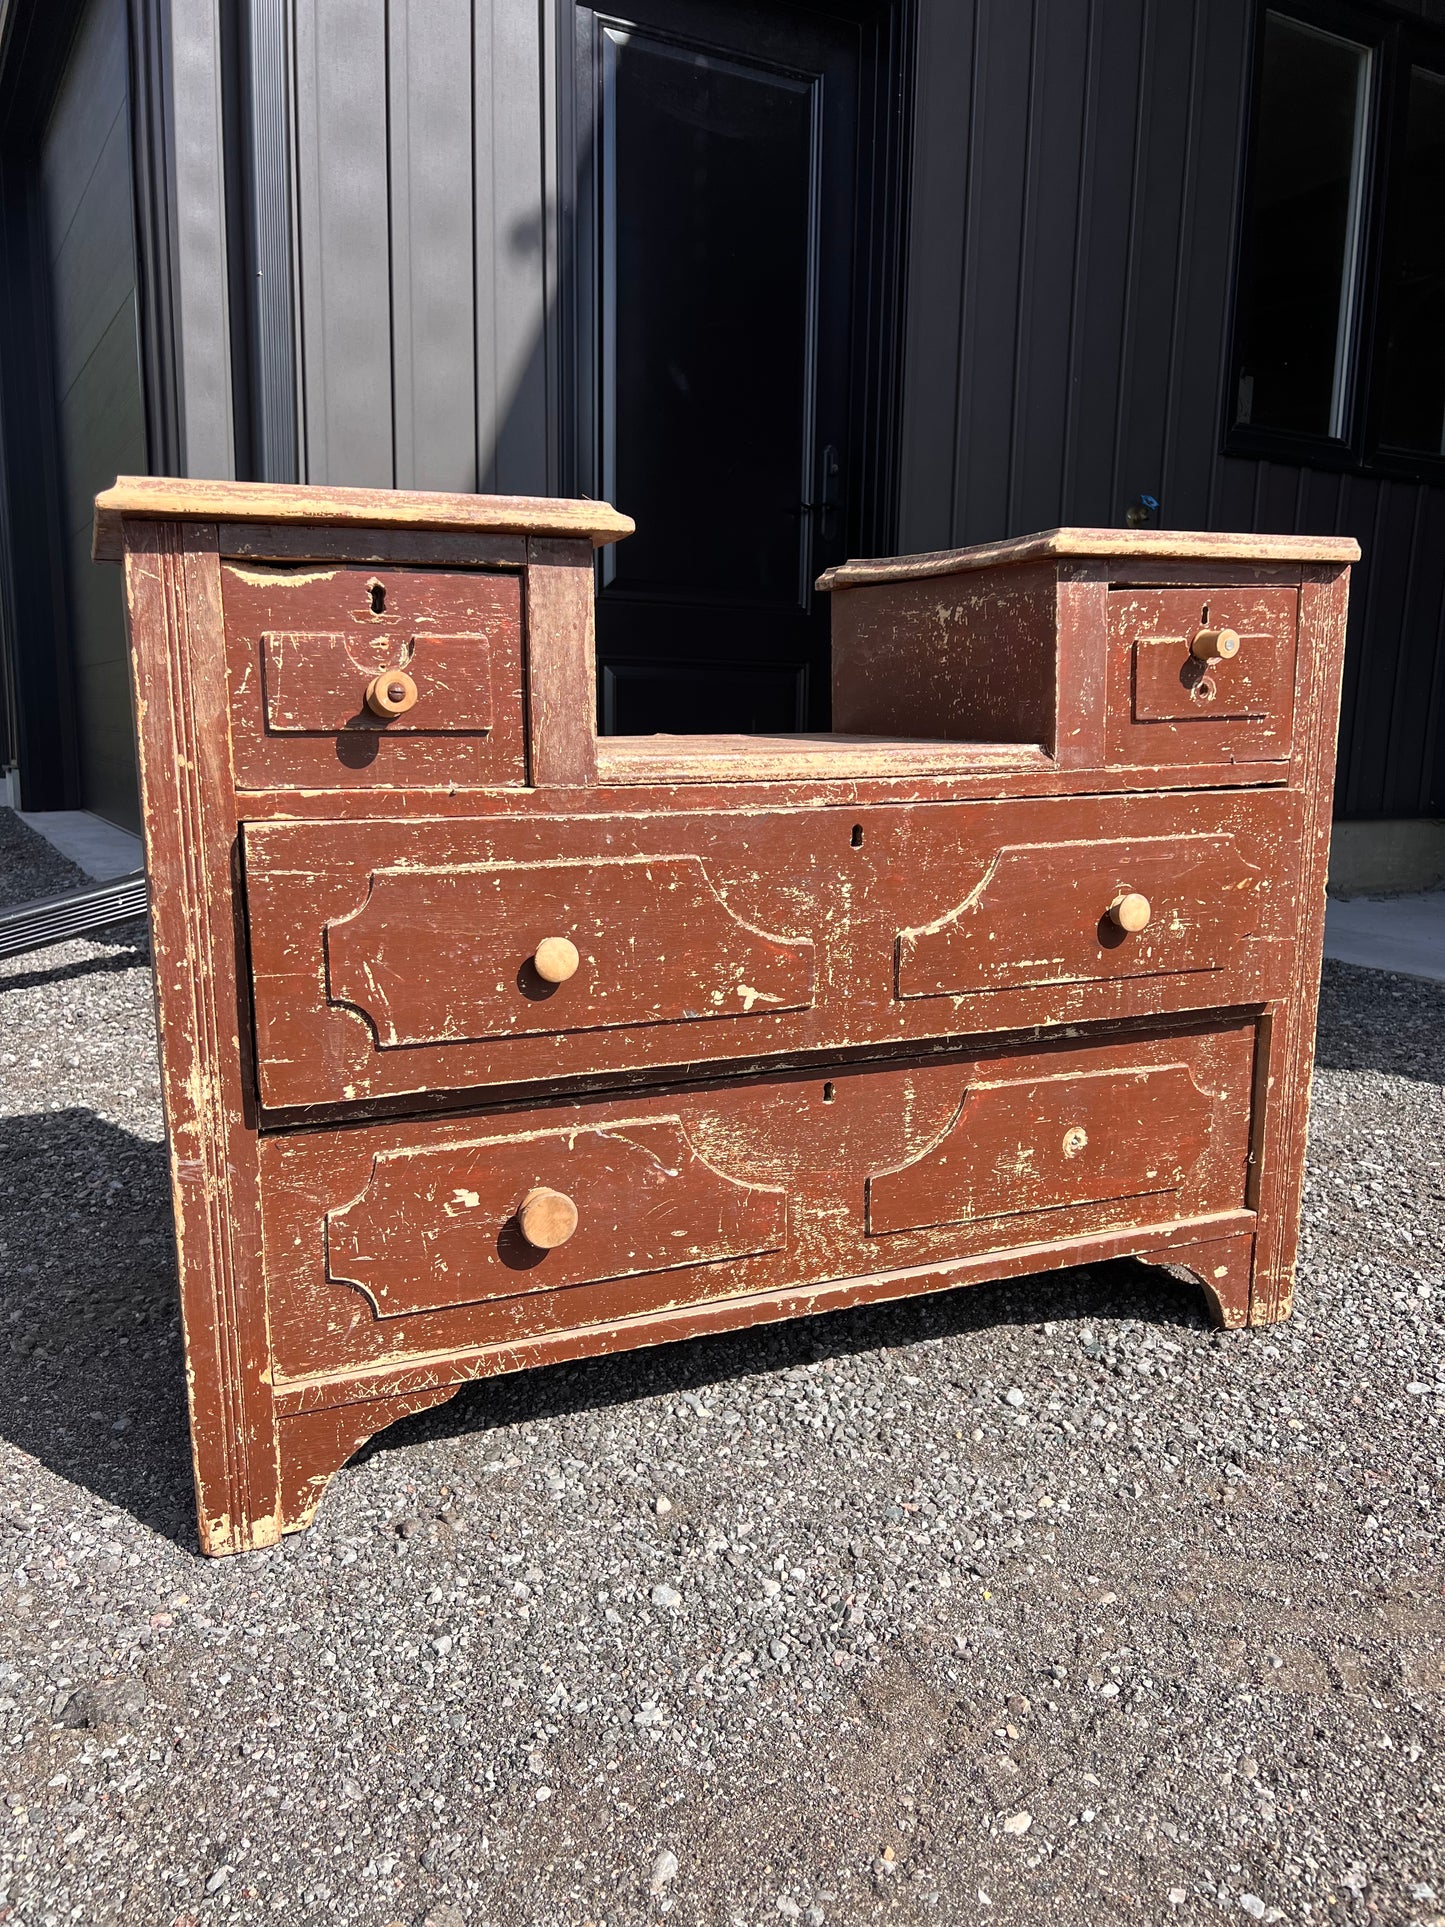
1224 1270
316 1444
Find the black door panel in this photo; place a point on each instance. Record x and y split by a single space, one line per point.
718 148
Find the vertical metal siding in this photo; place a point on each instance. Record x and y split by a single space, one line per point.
419 243
1076 181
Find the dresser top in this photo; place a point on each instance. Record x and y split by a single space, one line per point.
1161 545
168 499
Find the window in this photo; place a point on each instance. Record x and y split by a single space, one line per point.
1340 309
1412 344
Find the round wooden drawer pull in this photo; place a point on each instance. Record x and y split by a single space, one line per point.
1215 645
1131 912
555 960
392 693
548 1218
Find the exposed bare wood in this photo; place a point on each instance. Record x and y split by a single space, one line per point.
158 497
1158 545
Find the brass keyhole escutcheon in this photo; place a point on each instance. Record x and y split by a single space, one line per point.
555 960
392 693
1131 911
547 1217
1075 1138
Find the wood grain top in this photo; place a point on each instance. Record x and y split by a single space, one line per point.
168 499
759 759
1160 545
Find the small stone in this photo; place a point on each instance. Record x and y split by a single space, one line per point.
218 1880
1109 1692
662 1505
542 1794
1018 1823
446 1914
664 1870
664 1595
1177 1896
1252 1905
789 1909
778 1648
1013 1397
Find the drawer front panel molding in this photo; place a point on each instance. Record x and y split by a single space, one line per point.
450 956
448 1225
1022 1145
1047 913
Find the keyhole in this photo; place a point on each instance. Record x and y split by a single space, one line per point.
828 1093
377 592
857 836
1204 617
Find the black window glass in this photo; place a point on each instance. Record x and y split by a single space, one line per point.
1412 406
1303 230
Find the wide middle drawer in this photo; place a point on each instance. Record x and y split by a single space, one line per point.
393 958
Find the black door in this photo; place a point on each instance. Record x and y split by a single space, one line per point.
718 148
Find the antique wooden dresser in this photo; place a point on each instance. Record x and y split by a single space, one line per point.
487 1042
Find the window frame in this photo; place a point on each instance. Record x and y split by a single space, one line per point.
1397 45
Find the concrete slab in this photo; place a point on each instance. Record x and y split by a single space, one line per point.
99 848
1403 934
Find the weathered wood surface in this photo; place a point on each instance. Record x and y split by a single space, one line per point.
773 1174
142 497
173 594
393 957
1172 546
580 1046
304 641
1167 706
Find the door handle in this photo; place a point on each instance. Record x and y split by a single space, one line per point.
830 494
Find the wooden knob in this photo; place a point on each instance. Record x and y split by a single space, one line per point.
391 694
1215 645
1131 912
555 960
548 1218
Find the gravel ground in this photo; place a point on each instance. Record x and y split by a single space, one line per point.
1033 1602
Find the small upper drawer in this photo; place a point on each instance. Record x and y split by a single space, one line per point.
346 675
1201 675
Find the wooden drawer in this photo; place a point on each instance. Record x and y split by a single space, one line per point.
1171 701
404 1237
396 958
349 675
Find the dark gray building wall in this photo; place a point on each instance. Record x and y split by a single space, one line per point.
420 233
1077 179
85 176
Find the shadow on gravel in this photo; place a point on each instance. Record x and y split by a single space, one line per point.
127 953
92 1383
1122 1288
91 1376
1371 1020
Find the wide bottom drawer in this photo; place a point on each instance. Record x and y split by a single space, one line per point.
386 1240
